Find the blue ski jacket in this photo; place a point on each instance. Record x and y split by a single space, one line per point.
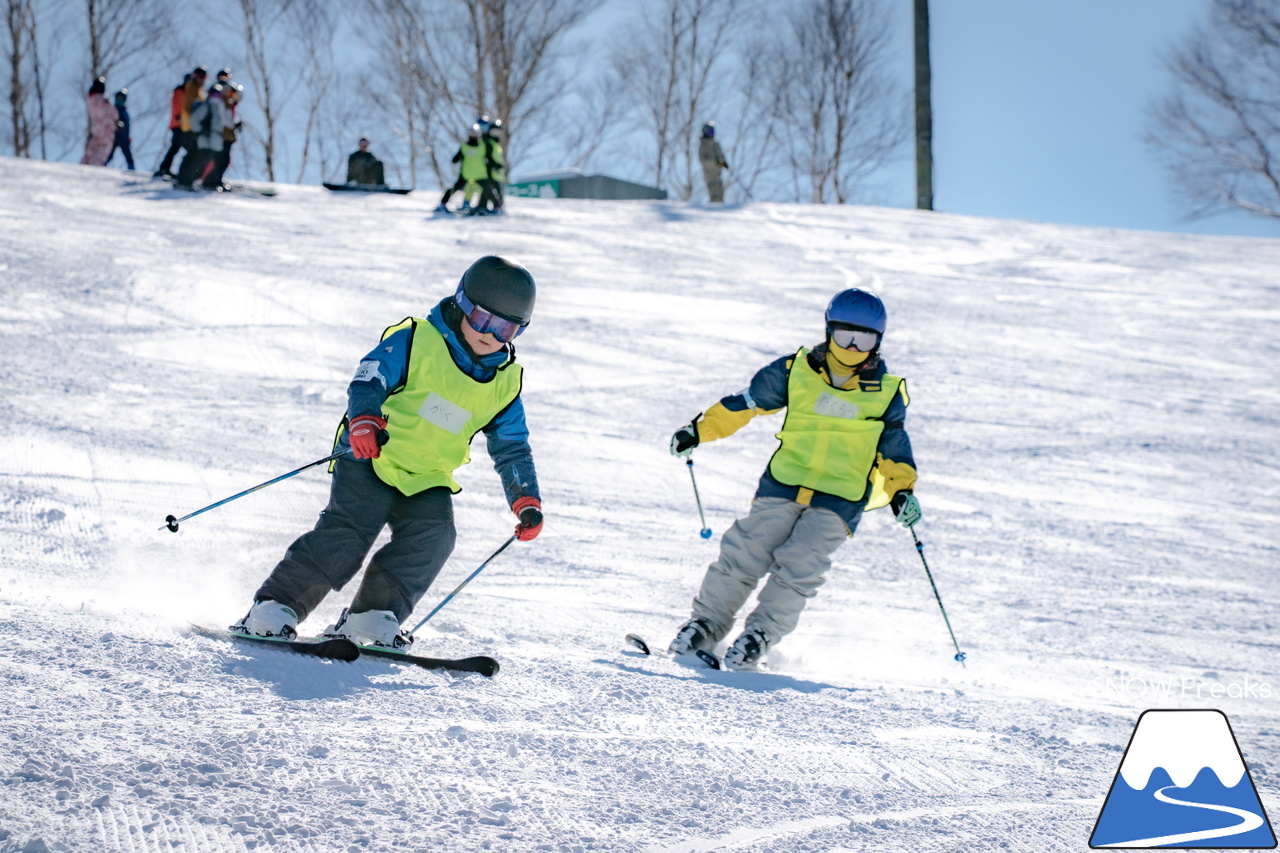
507 435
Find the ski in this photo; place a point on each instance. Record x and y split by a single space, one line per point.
485 666
706 657
330 648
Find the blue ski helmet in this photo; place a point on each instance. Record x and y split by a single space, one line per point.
854 307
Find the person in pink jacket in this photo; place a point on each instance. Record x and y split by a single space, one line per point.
102 125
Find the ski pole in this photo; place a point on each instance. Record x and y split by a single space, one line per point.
706 531
172 523
470 578
960 656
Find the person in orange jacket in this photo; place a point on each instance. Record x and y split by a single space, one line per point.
185 97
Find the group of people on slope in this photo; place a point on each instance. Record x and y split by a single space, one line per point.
204 127
432 383
481 168
108 126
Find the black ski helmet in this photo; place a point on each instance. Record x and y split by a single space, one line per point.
709 130
500 287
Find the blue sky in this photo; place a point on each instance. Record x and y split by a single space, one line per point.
1040 110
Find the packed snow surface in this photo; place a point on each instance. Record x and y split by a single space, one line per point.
1094 414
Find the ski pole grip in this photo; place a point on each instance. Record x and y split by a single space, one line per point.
530 516
383 437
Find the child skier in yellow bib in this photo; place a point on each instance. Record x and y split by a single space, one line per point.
427 389
844 450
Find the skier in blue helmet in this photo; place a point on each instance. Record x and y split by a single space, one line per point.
844 450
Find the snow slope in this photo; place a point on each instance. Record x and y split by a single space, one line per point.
1094 415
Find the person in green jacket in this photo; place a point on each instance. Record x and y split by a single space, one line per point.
471 170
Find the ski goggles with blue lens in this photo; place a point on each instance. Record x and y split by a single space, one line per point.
863 340
486 322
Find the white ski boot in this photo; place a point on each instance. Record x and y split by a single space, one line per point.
693 635
371 628
747 650
268 619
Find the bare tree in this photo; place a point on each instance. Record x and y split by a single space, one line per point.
835 87
448 61
314 25
121 30
670 60
19 30
264 54
403 84
1219 130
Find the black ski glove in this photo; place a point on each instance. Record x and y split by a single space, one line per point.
684 441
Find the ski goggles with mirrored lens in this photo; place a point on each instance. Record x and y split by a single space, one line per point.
486 322
863 340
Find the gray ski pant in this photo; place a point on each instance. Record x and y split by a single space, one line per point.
360 505
790 542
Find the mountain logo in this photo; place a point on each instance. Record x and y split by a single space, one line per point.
1183 783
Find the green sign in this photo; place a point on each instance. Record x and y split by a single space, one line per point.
535 189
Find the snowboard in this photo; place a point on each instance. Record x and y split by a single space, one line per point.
358 188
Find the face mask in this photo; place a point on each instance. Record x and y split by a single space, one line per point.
847 357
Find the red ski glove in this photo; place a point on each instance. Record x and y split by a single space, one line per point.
364 433
529 511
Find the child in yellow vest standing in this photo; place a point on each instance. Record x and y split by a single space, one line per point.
843 451
415 404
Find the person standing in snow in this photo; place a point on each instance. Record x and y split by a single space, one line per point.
417 400
470 158
495 170
122 139
843 451
207 121
185 97
711 156
231 93
363 169
102 125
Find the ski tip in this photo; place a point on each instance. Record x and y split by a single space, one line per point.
486 666
637 641
708 658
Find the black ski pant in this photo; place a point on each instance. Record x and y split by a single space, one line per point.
360 505
490 195
122 145
182 139
458 186
221 162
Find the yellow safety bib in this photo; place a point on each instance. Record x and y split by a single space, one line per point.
434 414
830 435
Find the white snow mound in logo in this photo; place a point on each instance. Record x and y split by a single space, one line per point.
1183 743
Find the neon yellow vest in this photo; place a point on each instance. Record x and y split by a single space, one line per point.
433 415
830 435
473 166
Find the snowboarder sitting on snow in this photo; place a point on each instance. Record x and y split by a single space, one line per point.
471 170
427 389
363 168
843 451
